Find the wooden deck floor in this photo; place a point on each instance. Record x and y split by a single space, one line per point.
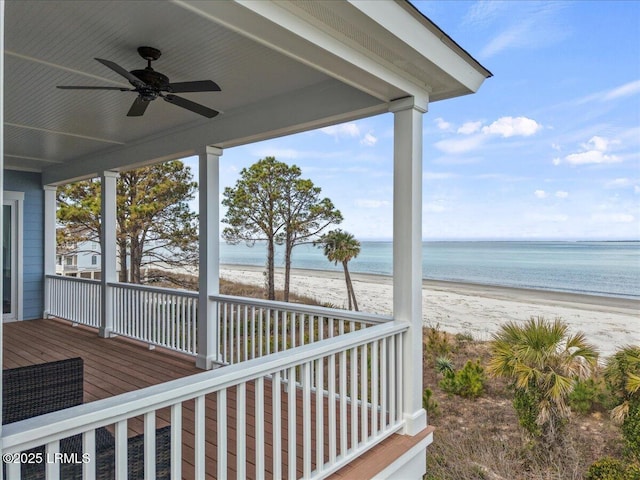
118 365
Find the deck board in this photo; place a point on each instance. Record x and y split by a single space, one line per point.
118 365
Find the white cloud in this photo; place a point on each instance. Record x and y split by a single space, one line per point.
594 152
442 124
510 127
562 194
591 157
369 203
612 217
557 161
540 194
469 127
533 26
625 90
453 146
369 140
636 189
344 130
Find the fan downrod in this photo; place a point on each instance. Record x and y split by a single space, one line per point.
150 54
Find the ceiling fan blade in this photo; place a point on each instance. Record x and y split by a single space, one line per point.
135 81
189 105
69 87
138 107
197 86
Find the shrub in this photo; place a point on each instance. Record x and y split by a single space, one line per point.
585 396
631 431
467 382
612 469
543 362
437 342
606 469
429 403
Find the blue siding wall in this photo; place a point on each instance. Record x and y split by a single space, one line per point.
33 239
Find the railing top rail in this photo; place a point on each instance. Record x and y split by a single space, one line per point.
306 309
146 288
38 430
73 279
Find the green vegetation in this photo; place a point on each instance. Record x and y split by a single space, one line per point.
468 382
622 375
340 246
612 469
154 222
270 202
543 363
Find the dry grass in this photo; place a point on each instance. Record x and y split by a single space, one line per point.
481 439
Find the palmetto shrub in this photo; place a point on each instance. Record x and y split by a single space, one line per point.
543 363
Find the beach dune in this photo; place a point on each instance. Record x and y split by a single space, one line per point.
478 310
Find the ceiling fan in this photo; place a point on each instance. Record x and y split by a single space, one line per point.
149 85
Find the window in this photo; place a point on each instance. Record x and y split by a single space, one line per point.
94 260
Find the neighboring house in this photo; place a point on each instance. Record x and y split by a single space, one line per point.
80 260
305 392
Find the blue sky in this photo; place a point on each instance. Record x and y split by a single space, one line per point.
549 148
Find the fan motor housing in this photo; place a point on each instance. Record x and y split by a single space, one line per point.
152 78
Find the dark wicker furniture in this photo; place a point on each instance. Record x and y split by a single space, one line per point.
39 389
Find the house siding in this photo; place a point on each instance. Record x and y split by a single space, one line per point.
33 239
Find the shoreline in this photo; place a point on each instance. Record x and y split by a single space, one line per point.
458 307
624 304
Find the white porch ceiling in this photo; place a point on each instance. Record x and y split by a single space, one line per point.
283 67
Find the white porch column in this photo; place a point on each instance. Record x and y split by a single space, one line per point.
407 251
49 240
209 263
108 247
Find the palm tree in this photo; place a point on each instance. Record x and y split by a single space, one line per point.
543 363
341 246
622 375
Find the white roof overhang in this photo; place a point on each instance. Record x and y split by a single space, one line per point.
284 67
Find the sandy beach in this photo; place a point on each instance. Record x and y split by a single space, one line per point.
478 310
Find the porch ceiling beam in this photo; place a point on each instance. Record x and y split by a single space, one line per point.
310 107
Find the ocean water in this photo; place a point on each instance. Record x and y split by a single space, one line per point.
596 268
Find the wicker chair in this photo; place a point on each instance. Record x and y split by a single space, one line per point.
39 389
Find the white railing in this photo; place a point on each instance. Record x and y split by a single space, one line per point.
75 299
251 328
157 316
343 397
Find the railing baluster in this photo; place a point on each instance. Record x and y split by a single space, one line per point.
150 445
259 427
121 450
332 408
343 403
199 446
221 420
319 414
176 440
89 449
364 424
353 374
383 384
52 468
306 420
277 425
241 431
374 388
291 420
